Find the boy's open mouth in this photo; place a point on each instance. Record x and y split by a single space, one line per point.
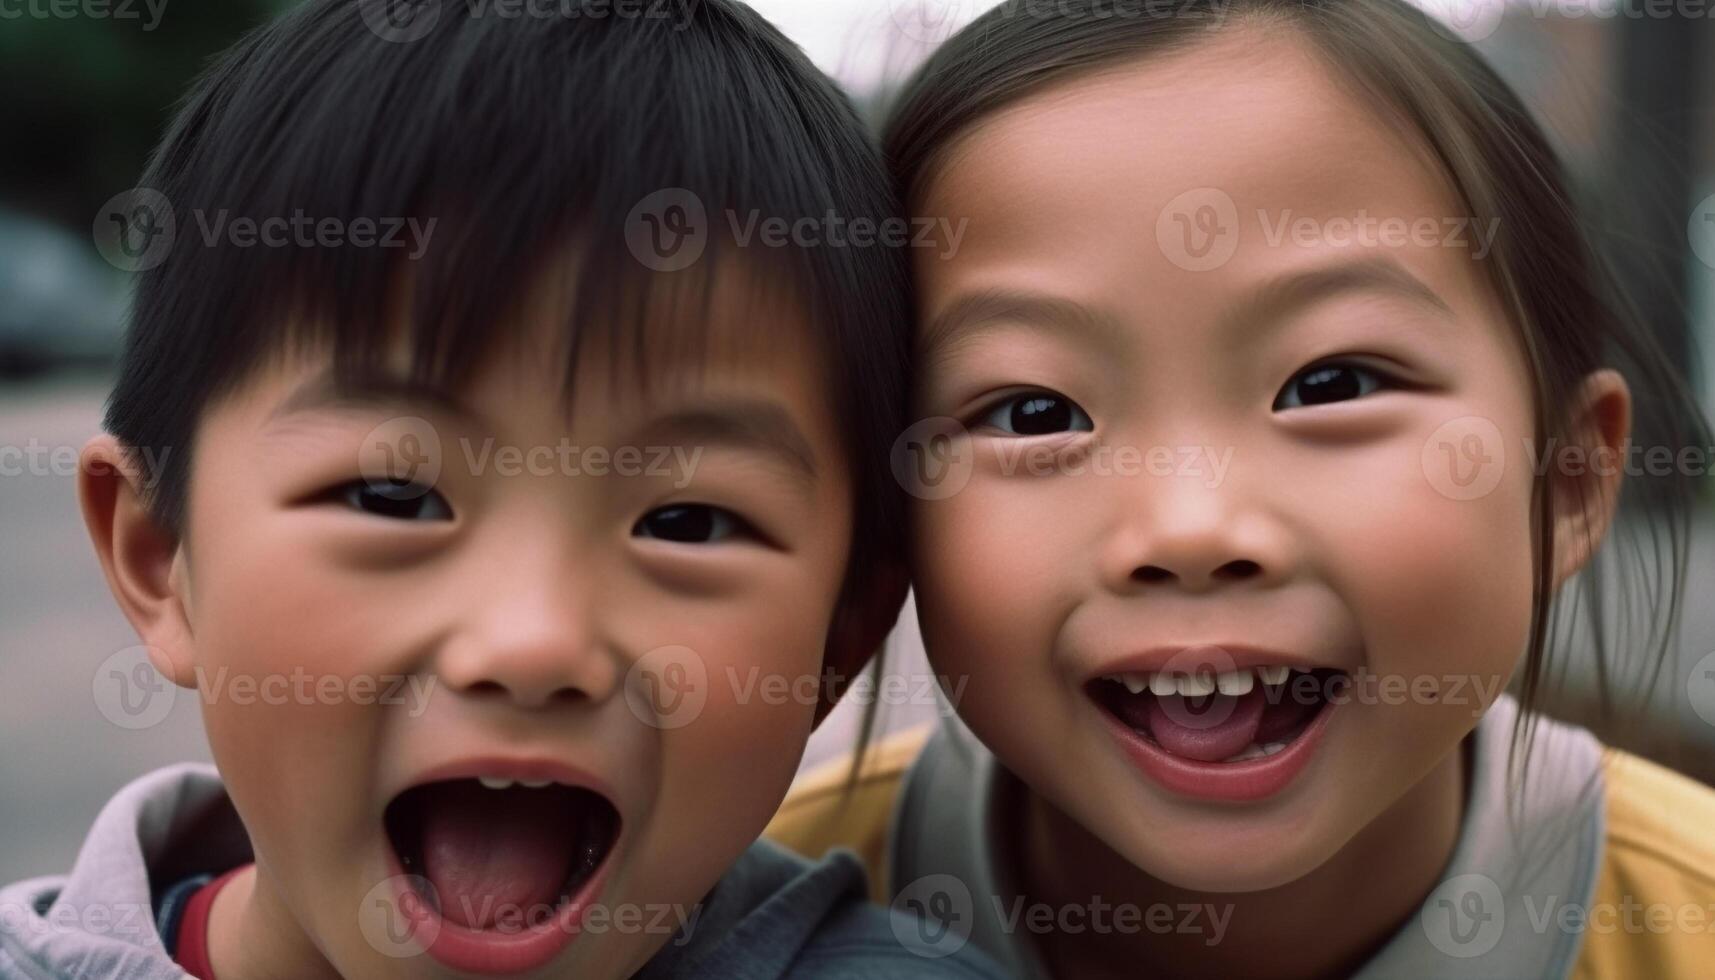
1237 717
501 855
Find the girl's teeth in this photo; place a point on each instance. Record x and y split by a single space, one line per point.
1232 682
1255 751
1235 682
534 783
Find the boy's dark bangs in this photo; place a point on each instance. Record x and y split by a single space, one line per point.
428 191
451 309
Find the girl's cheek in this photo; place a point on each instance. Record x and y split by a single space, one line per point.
996 568
1437 586
990 559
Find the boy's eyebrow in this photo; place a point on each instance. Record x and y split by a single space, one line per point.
973 312
741 423
367 388
1293 291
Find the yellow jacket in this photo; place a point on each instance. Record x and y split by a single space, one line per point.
1651 915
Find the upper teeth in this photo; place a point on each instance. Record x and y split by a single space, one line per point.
501 782
1232 682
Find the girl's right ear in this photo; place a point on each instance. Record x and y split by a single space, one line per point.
143 562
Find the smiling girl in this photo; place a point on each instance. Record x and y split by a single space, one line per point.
1327 240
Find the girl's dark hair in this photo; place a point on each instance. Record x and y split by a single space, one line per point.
1563 302
531 141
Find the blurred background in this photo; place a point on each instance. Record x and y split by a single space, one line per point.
87 90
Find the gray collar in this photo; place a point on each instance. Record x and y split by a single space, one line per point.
1495 913
100 919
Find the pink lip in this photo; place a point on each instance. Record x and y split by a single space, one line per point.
494 951
491 951
1210 658
1232 782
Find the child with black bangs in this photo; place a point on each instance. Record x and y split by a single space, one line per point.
577 790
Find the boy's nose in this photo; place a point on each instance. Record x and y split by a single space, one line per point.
535 648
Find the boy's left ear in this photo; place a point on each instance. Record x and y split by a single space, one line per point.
866 613
1585 497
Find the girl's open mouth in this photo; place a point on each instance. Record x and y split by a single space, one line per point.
1241 737
499 872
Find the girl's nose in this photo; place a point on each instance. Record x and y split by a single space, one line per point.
1192 538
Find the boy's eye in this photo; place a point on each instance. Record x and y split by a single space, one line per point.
689 524
1329 383
1038 413
400 500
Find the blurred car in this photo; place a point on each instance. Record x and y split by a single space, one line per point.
60 304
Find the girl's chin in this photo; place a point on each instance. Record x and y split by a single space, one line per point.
1232 856
1224 874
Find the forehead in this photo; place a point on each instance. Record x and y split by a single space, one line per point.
680 343
735 324
1080 181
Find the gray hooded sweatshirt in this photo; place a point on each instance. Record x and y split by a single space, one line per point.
772 915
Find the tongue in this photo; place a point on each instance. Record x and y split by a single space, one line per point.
1206 729
497 855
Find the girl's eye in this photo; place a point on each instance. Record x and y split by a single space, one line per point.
1329 383
400 500
1038 413
689 524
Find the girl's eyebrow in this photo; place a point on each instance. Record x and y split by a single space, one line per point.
1293 291
972 313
